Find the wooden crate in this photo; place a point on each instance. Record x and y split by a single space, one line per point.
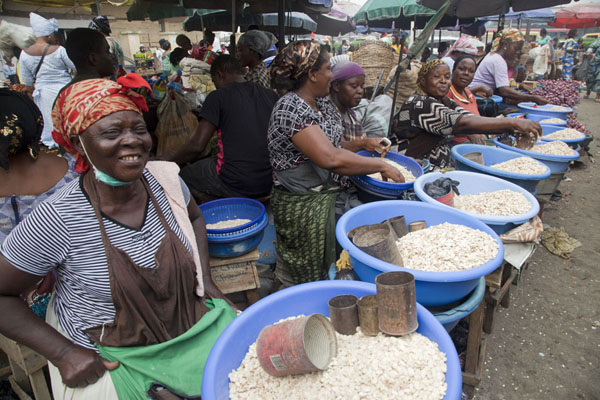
237 274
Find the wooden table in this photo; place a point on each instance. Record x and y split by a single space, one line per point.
237 274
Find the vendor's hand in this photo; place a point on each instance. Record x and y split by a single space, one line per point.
477 139
80 367
373 144
392 173
484 91
528 126
540 100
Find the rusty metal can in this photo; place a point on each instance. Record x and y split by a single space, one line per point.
397 303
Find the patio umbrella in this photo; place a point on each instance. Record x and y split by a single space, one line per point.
484 8
578 16
397 14
220 20
334 23
261 6
541 15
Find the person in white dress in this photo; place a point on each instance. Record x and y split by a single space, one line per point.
47 76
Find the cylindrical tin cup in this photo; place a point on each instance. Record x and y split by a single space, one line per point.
343 312
397 303
399 225
475 156
379 241
417 226
367 315
297 346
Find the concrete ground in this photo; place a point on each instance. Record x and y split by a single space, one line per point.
546 345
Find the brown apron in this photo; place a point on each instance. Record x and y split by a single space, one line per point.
152 305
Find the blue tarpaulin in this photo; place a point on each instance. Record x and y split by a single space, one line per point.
540 15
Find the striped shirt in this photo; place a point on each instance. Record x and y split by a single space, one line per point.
63 233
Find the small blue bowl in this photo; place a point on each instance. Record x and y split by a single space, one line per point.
539 118
495 155
232 208
557 164
473 183
432 288
548 129
449 319
515 115
532 108
309 298
237 244
392 189
497 99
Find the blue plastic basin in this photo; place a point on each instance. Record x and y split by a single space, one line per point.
310 298
239 244
557 164
433 288
532 108
497 99
495 155
473 183
389 189
538 118
548 129
515 115
449 319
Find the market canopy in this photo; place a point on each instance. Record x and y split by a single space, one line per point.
260 6
398 14
541 15
484 8
335 22
578 16
220 20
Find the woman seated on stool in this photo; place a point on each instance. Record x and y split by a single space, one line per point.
430 120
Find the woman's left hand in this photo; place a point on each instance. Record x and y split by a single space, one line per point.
477 139
373 144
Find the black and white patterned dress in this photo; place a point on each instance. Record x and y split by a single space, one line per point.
292 114
428 123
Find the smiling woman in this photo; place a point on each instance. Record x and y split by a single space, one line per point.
430 120
128 244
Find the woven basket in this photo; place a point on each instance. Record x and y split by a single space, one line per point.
373 56
407 83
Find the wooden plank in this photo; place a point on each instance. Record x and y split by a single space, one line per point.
494 280
254 255
252 296
235 277
23 356
474 339
473 379
20 378
21 394
39 385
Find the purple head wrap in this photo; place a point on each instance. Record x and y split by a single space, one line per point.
346 70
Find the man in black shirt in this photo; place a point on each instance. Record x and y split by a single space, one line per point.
239 113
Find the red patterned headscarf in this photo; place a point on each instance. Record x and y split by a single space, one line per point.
83 103
296 59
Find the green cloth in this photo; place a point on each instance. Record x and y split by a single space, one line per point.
177 363
305 227
376 10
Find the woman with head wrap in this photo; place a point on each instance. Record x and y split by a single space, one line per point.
430 120
304 141
493 70
46 66
101 24
464 45
251 49
134 294
347 88
568 58
28 175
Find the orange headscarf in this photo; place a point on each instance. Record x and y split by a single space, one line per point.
83 103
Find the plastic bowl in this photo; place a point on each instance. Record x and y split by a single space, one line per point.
494 155
432 288
238 244
538 118
515 115
548 129
449 319
310 298
497 99
376 187
532 108
557 164
232 208
473 183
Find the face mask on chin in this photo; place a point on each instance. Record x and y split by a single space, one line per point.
103 176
